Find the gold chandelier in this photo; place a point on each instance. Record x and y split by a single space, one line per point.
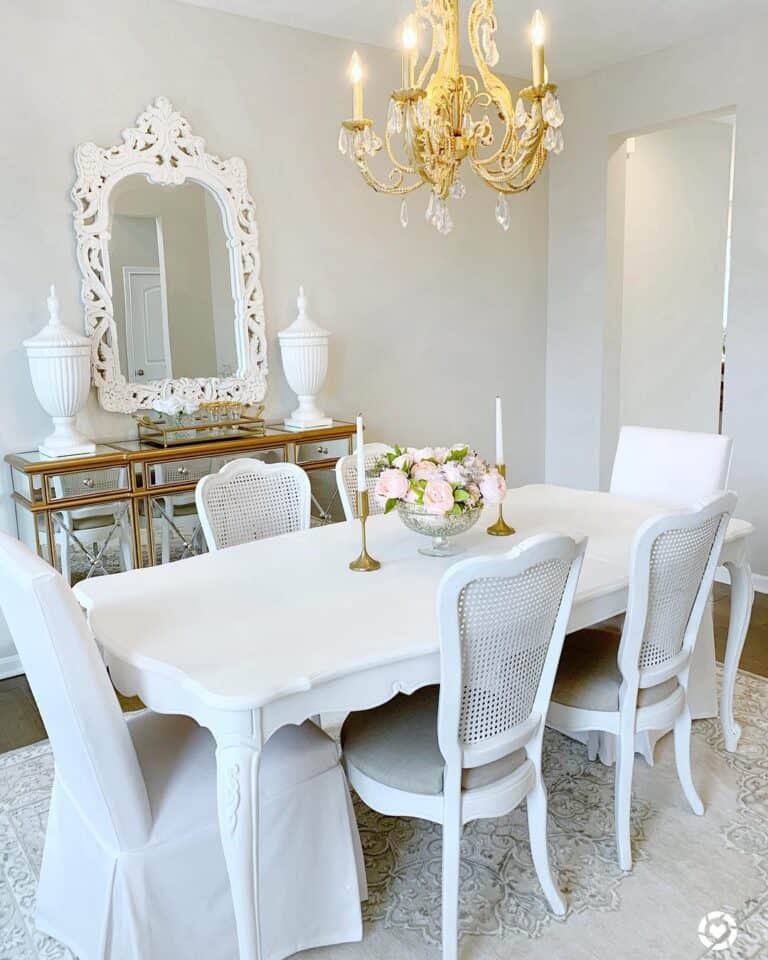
431 116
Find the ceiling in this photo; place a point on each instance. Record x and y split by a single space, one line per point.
583 35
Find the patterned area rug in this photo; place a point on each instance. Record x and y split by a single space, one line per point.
685 867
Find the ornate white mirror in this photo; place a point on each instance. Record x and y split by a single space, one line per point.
167 243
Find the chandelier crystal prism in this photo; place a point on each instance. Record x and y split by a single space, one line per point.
440 117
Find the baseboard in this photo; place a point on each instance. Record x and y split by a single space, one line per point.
759 580
10 667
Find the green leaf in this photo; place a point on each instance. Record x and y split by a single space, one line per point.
460 495
456 510
390 505
457 454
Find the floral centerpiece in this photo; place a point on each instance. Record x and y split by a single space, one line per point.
437 491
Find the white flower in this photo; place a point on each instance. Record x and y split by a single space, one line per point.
423 453
453 473
403 462
191 407
168 405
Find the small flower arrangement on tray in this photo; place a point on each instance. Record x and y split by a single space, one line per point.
443 480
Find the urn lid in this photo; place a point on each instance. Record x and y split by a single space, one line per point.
55 333
303 326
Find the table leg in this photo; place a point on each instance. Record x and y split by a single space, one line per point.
742 597
237 765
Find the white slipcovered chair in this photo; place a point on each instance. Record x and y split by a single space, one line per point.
133 867
249 500
346 480
673 466
639 681
471 748
92 529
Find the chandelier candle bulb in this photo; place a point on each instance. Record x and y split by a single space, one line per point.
499 435
361 484
410 39
537 35
356 76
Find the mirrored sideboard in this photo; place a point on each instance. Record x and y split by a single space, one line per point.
132 504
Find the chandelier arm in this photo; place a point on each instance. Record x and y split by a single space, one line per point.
428 11
515 168
482 10
396 188
506 143
402 167
505 182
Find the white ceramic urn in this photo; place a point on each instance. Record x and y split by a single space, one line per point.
304 348
60 365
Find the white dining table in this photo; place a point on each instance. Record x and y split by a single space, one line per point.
275 631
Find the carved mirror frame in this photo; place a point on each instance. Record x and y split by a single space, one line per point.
163 148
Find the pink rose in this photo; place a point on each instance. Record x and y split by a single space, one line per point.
438 497
424 470
493 487
392 485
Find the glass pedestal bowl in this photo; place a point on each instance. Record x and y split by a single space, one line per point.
437 526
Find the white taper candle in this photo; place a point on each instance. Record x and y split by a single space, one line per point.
499 434
360 455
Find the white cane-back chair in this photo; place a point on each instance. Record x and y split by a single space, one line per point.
682 469
346 479
91 530
639 681
250 500
471 748
133 866
672 466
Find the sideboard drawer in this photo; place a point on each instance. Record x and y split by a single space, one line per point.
87 483
321 450
168 473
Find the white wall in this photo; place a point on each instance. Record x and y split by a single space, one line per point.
427 329
601 110
676 225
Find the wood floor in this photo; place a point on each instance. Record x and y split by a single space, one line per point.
20 723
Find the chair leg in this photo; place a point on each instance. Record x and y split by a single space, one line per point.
66 570
625 759
537 831
451 868
593 745
683 760
165 536
126 550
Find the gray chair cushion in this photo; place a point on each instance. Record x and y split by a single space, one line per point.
588 676
396 744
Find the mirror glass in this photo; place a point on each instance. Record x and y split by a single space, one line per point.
171 286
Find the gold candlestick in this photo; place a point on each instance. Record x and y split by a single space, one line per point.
364 561
501 528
